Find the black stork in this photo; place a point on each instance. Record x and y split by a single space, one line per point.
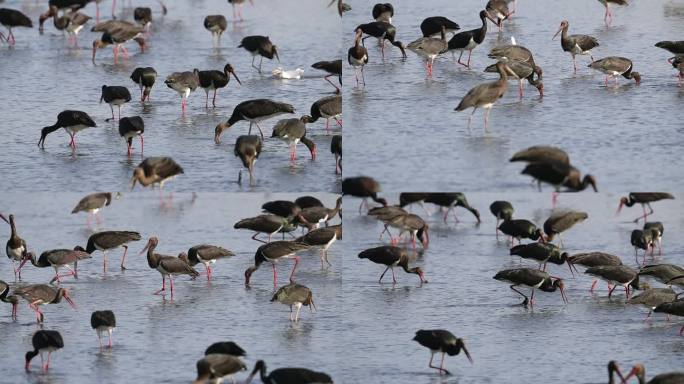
673 308
72 122
357 57
521 229
248 149
324 238
16 247
451 200
561 221
155 170
107 241
575 44
145 78
614 66
58 258
41 294
612 369
531 278
214 80
469 40
433 26
130 127
333 68
294 295
207 254
644 199
593 259
115 95
43 341
440 340
383 12
184 83
542 253
288 375
664 273
254 111
642 239
225 348
94 202
502 210
259 46
119 37
383 31
274 252
363 187
391 256
336 150
429 48
616 275
11 18
292 131
212 368
103 322
216 24
608 17
652 298
328 107
5 297
166 265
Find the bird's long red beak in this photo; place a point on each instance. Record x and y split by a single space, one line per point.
631 373
144 249
570 266
619 208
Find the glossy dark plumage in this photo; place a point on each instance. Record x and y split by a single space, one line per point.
155 170
44 341
104 319
440 340
130 127
71 121
145 78
382 30
432 26
502 210
248 149
363 187
307 202
225 348
289 375
561 221
93 202
336 150
520 228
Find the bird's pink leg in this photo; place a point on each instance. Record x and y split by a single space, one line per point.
208 272
610 292
275 276
394 278
116 54
129 152
593 285
163 288
554 199
123 258
327 126
125 51
296 258
681 330
99 339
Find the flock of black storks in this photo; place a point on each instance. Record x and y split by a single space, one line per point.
545 246
117 33
279 217
514 62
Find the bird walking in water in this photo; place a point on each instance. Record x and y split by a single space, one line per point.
440 340
383 31
561 221
292 131
115 95
616 275
644 199
391 256
485 95
109 240
183 83
357 57
268 224
333 68
531 278
469 40
254 111
166 265
248 149
429 48
16 248
593 259
672 308
614 67
43 341
575 44
259 46
642 239
329 107
11 18
207 255
41 294
155 170
215 80
336 150
502 210
103 322
363 187
432 26
145 78
295 295
58 258
274 252
523 71
652 298
130 127
216 24
5 297
288 375
323 237
93 203
521 229
608 17
118 37
72 122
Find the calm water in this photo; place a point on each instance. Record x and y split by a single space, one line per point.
41 77
552 343
614 134
159 340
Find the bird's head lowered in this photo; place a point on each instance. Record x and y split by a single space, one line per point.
590 180
141 43
274 51
218 131
624 201
98 44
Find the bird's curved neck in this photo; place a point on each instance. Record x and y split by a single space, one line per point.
152 257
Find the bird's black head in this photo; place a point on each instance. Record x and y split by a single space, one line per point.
29 356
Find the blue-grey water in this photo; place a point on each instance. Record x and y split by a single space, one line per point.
157 339
509 344
41 76
403 127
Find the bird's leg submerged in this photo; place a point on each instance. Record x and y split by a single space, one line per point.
163 288
521 294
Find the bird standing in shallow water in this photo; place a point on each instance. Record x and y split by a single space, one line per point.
295 295
334 68
608 17
391 256
259 46
214 80
288 375
16 247
575 44
72 122
614 67
103 321
184 83
145 78
645 199
440 340
248 149
357 57
12 18
44 341
166 265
